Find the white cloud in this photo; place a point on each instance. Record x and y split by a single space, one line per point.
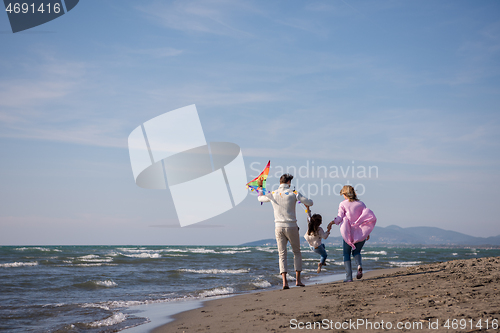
207 16
48 104
418 137
160 52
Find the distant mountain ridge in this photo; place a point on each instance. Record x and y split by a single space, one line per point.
395 235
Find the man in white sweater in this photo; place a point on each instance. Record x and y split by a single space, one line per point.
284 201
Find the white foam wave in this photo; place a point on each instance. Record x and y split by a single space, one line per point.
316 260
383 253
175 255
99 260
404 263
143 255
113 320
175 250
234 252
310 270
454 254
371 258
19 264
141 250
201 250
53 305
217 292
215 271
266 249
43 249
87 257
95 305
126 304
94 258
262 284
237 248
106 283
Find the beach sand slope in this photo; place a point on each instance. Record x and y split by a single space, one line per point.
462 290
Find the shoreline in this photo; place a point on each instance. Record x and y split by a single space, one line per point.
170 317
461 292
161 314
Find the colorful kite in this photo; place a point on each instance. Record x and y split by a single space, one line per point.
254 184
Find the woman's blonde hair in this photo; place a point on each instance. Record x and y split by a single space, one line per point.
349 192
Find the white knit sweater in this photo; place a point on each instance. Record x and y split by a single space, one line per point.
284 202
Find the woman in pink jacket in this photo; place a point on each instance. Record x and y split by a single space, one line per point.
356 223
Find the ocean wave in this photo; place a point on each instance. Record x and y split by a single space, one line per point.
316 260
234 252
384 253
371 258
215 271
454 254
43 249
19 264
95 284
113 320
143 255
126 304
217 292
106 283
88 256
266 249
94 258
262 284
175 250
176 255
404 263
91 265
141 250
95 305
236 248
201 250
99 260
53 305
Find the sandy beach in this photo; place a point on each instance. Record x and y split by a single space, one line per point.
455 296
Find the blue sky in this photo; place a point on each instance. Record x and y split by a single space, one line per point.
410 88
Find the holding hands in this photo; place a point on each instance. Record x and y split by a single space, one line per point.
329 226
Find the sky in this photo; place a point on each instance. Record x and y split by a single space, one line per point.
408 90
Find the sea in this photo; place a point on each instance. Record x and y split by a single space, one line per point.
107 288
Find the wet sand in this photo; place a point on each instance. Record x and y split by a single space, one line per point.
454 296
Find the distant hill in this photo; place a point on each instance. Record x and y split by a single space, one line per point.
394 235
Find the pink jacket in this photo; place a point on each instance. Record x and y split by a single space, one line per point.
355 220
